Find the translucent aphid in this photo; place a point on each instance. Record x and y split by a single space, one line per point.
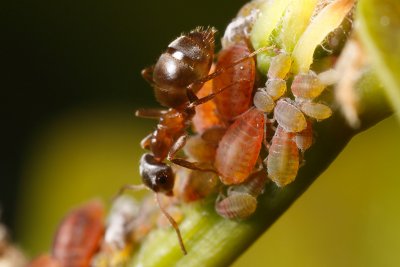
289 117
283 158
254 184
263 101
279 66
307 86
236 206
118 242
275 88
192 185
238 30
316 111
305 138
239 149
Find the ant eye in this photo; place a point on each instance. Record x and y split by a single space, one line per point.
162 179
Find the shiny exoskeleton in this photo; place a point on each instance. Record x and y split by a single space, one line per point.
179 69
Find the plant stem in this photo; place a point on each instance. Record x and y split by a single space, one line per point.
215 241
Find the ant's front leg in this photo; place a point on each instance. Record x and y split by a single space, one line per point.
150 113
180 143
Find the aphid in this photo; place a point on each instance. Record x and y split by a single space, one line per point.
78 236
304 139
233 102
238 30
283 158
192 185
44 260
275 87
206 114
239 149
316 111
307 86
239 203
289 117
236 206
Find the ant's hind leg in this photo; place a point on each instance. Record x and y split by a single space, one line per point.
150 113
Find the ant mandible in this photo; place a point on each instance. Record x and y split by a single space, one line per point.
176 77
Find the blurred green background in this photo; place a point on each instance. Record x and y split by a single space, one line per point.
70 83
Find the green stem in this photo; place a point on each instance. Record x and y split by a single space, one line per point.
215 241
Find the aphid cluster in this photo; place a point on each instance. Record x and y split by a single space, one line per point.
244 134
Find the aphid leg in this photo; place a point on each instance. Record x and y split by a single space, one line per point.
173 223
150 113
266 144
128 187
147 74
145 143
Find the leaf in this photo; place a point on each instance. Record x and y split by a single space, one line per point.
379 30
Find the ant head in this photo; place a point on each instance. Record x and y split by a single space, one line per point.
156 175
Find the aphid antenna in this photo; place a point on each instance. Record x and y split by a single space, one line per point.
172 222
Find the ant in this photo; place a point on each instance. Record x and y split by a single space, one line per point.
178 75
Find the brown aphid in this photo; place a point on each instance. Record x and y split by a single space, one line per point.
206 114
78 236
44 260
316 111
192 185
187 60
238 98
254 184
307 85
202 147
236 206
283 158
289 117
305 138
239 149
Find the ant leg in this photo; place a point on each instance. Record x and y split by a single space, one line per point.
147 74
180 142
128 187
212 95
173 223
150 113
145 143
221 70
191 95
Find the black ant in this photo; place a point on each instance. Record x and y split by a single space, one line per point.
176 77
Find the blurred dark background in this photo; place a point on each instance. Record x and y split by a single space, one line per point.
61 55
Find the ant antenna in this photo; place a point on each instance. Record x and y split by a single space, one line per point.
131 187
173 223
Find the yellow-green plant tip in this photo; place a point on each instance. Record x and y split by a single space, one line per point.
270 14
379 31
295 21
327 20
